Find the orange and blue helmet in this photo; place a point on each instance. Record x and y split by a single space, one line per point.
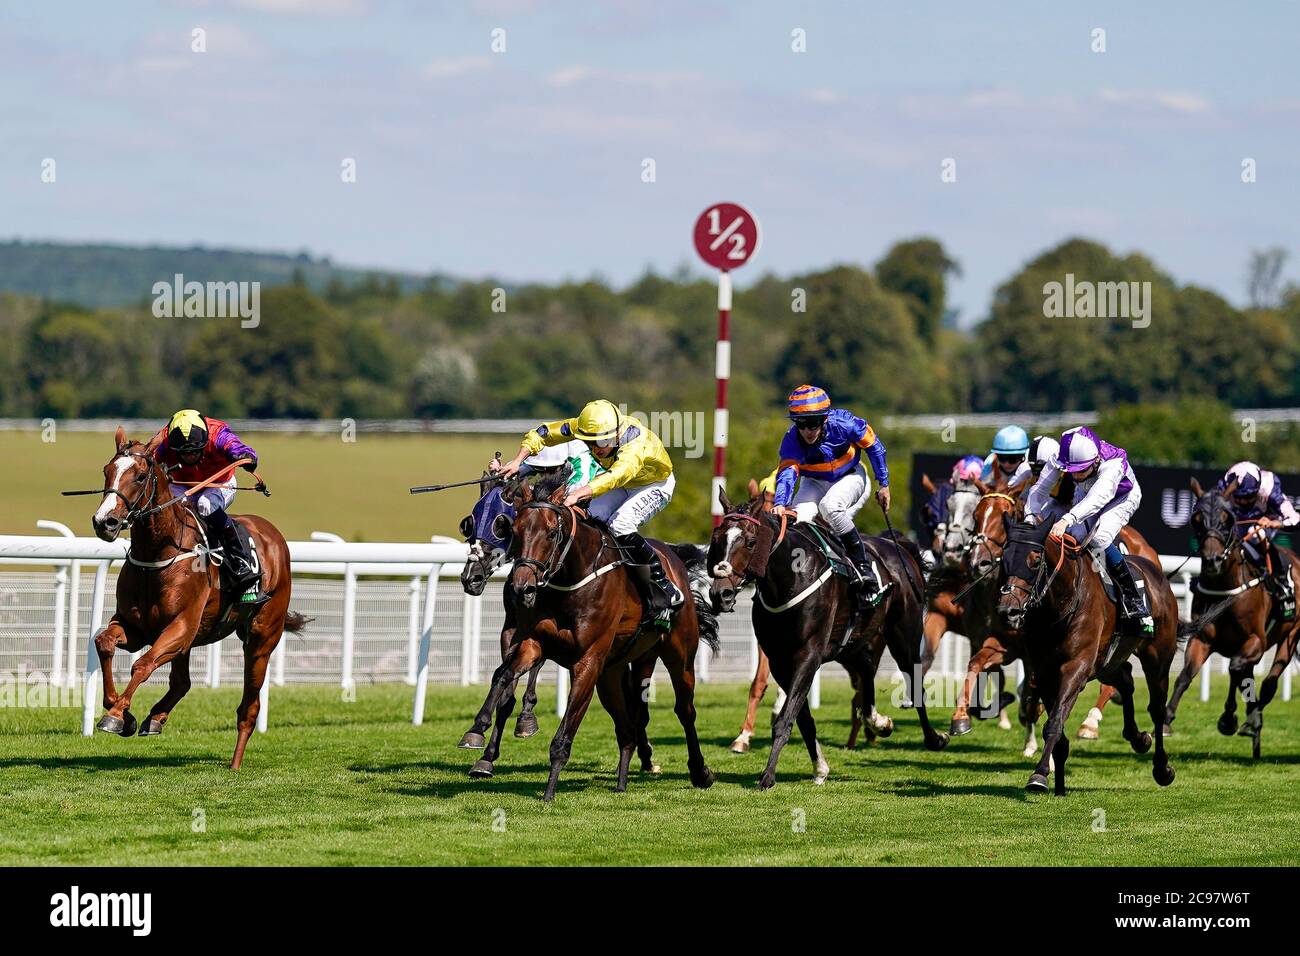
809 401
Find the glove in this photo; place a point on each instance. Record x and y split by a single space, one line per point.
250 466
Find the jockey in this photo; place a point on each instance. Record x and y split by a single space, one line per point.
1006 459
195 448
967 468
1258 503
636 485
1042 449
1106 495
823 450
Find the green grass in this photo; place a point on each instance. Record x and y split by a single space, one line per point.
318 482
340 783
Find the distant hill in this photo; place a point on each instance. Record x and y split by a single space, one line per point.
118 275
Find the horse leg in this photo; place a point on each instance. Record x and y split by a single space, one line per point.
1244 663
1089 729
855 711
936 625
526 656
526 724
1236 677
177 687
1155 666
506 673
1195 655
983 659
174 638
1028 712
757 688
808 730
609 688
1281 659
257 654
806 662
1067 684
679 657
585 673
637 694
107 642
1138 739
906 654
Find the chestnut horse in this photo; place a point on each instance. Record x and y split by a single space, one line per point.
1248 627
1071 631
576 605
1003 645
169 595
805 614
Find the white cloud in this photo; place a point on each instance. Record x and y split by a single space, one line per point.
570 75
455 66
317 8
1176 101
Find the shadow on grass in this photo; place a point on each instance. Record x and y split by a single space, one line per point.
116 761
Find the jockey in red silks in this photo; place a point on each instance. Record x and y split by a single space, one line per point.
1260 507
195 448
823 451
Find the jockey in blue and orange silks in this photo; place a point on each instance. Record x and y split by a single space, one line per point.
1261 509
823 451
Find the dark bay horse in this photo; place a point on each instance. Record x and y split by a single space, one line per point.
487 552
575 604
1052 595
1244 630
805 615
169 595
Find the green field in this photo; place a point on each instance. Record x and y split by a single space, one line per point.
337 783
318 482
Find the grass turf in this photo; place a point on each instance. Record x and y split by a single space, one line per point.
355 783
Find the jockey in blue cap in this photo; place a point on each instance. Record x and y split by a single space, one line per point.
823 451
1261 509
1006 460
1106 496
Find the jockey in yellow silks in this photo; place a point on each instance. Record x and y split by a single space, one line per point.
636 485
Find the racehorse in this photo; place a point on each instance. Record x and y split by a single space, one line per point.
1003 646
575 604
805 614
169 595
1246 630
487 552
1054 597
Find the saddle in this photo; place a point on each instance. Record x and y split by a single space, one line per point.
1112 594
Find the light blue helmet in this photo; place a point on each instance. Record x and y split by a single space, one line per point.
1011 440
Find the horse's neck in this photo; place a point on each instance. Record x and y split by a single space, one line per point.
160 531
786 546
1233 573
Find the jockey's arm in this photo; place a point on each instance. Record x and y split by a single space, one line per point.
871 443
1109 475
1041 492
544 435
230 445
1281 508
787 473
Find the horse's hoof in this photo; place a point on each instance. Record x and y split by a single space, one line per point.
1164 776
652 768
960 727
1004 723
1087 732
123 726
1228 724
151 727
1141 743
481 770
703 780
766 783
740 746
886 728
525 726
819 779
1167 730
937 742
1030 752
1037 783
472 741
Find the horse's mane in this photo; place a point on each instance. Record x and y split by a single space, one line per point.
551 482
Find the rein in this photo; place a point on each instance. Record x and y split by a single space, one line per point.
546 570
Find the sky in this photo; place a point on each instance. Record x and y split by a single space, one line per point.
527 164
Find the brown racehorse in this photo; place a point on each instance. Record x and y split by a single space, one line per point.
577 606
805 615
1003 646
1051 595
169 595
1246 629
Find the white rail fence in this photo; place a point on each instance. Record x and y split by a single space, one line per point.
382 613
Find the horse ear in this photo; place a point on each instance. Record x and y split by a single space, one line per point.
119 436
724 500
1196 487
1227 492
752 488
558 495
982 488
926 483
1017 488
154 444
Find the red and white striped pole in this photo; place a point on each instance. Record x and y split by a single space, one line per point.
723 366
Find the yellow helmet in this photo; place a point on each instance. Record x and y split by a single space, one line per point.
187 431
598 421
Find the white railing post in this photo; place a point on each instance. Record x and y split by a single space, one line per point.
349 611
278 659
476 638
264 695
1286 680
561 690
74 623
815 695
466 641
426 638
214 664
90 691
60 608
413 632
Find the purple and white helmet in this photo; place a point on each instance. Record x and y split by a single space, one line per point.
1247 476
1078 451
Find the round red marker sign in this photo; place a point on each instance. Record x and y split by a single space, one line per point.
726 236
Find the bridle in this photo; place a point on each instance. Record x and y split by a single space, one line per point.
980 538
723 569
546 570
134 510
945 528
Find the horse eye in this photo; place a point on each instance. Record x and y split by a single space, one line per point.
751 544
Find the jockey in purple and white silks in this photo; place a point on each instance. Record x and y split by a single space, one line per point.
1106 496
823 451
1260 507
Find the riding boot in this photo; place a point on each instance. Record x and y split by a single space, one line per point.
240 568
1283 587
869 590
659 595
1132 601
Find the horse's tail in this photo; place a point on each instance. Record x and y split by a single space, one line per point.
295 622
1198 624
696 560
